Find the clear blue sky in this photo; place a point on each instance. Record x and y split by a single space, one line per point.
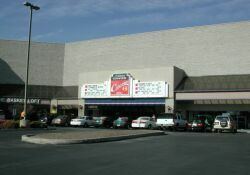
76 20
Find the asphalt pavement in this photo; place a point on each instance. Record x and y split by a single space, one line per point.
174 153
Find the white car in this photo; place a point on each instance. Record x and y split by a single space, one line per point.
171 121
224 122
144 122
84 121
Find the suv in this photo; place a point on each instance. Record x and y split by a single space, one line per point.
225 122
171 121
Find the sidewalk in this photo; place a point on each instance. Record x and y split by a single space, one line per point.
244 131
88 136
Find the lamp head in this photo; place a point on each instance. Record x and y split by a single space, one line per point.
31 5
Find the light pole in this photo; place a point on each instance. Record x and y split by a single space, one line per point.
31 7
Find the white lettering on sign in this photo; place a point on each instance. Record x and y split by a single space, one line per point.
21 100
150 89
94 90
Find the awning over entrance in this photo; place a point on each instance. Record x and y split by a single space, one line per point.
144 101
68 106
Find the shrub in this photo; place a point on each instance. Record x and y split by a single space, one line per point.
37 124
9 124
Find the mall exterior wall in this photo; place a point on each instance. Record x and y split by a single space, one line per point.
221 49
46 63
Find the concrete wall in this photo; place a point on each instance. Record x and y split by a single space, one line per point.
205 50
46 63
179 74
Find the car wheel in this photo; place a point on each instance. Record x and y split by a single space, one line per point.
185 128
85 125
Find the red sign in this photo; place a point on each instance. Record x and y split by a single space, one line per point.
119 87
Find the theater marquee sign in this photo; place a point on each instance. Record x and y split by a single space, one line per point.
125 86
120 85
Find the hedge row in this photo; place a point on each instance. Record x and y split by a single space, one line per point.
8 124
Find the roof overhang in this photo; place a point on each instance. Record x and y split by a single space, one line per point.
212 96
130 102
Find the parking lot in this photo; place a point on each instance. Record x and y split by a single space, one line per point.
173 153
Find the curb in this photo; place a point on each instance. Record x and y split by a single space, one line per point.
30 138
243 131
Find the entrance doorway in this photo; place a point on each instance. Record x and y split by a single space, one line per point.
131 111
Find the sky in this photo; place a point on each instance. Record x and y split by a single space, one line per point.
62 21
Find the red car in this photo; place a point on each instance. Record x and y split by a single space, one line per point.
201 123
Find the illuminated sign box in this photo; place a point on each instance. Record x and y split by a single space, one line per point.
124 86
94 90
150 89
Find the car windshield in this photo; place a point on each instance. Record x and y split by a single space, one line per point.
81 117
123 118
144 118
220 118
197 121
165 116
61 116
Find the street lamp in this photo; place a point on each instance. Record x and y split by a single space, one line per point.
32 7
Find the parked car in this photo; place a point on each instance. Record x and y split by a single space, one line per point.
144 122
122 122
201 123
2 116
46 119
225 122
61 120
84 121
103 121
171 121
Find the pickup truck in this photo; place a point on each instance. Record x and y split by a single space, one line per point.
171 121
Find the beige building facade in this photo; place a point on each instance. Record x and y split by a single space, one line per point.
206 69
